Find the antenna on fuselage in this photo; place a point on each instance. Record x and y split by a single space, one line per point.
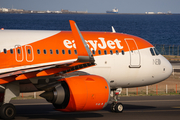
113 30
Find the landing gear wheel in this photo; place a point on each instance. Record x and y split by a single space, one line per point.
113 107
7 111
119 108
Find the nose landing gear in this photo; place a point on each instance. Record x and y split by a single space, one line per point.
117 106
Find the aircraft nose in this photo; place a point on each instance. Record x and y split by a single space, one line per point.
167 68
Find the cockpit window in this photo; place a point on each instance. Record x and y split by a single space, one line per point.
152 52
156 51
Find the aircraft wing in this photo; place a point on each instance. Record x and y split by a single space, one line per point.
85 59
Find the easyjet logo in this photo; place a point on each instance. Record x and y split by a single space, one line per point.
101 43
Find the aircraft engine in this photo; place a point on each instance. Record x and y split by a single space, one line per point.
79 93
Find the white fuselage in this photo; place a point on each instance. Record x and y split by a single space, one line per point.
128 69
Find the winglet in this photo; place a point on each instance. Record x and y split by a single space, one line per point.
113 30
84 53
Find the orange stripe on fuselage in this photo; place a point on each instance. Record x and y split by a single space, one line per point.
64 41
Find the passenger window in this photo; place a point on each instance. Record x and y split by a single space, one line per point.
156 51
69 51
99 51
152 52
105 52
122 52
11 51
51 52
93 51
111 52
38 51
29 51
19 51
75 52
44 51
63 51
117 52
5 51
57 51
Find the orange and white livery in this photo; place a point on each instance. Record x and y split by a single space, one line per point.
76 70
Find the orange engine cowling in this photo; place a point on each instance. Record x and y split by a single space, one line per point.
80 93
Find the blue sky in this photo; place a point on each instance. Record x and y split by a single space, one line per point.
96 6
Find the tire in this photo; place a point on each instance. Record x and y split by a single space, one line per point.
119 108
7 111
113 107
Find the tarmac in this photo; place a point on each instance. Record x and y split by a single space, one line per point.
135 108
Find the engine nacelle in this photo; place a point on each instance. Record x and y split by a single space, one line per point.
80 93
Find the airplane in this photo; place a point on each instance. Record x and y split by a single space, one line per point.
77 70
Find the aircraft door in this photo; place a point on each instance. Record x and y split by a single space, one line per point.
134 53
19 53
29 53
